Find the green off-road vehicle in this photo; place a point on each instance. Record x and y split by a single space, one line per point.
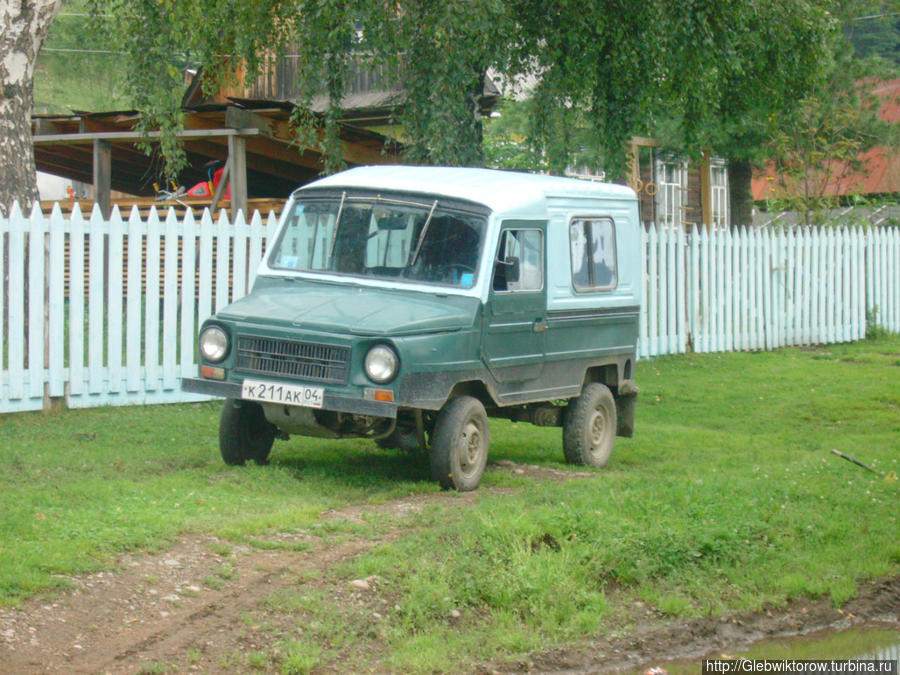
410 304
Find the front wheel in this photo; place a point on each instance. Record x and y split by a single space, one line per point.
459 446
589 426
244 433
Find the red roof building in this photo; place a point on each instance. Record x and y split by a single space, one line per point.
880 166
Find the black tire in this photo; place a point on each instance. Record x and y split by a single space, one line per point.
589 426
459 446
244 433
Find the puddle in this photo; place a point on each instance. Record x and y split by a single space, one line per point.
877 641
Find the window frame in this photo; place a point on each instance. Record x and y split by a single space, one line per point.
584 290
667 190
543 259
718 194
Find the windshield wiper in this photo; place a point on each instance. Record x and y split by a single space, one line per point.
337 223
422 234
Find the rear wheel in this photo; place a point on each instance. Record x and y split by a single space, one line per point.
589 426
459 445
245 433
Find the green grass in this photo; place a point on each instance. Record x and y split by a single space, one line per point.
80 487
727 499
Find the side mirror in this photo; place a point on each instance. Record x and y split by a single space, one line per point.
513 269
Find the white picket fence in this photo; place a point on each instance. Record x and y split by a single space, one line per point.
105 312
759 288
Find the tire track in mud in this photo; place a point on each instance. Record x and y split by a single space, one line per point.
156 607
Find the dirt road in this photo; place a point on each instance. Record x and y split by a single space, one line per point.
207 606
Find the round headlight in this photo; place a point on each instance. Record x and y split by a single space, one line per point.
213 344
381 364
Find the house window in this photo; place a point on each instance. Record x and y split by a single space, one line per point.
718 192
593 246
671 180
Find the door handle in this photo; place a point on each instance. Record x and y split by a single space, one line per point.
540 325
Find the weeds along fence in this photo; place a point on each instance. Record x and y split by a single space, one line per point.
106 312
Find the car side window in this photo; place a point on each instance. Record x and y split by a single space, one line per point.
592 243
519 265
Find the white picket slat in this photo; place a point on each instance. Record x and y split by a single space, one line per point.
96 301
188 302
76 303
255 247
151 303
643 347
133 303
56 326
204 301
223 239
4 230
732 292
170 303
16 334
239 258
706 280
115 289
36 285
892 297
652 295
681 337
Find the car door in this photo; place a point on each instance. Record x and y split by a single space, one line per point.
515 316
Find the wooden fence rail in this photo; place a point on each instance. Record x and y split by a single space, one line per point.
106 312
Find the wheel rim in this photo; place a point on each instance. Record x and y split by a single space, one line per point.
598 429
470 448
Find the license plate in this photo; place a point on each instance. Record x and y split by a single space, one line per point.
279 392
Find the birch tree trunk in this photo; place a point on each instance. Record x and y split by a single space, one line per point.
23 28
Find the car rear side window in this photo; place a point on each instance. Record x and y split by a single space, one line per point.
592 242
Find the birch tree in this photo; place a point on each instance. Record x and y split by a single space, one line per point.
23 28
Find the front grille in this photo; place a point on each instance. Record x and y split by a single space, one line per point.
301 360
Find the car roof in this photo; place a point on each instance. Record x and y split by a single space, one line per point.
499 190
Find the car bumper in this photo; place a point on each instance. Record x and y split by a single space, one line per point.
344 404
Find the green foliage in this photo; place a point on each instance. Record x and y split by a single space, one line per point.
874 30
77 69
506 138
604 70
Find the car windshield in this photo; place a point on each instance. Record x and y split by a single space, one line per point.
383 238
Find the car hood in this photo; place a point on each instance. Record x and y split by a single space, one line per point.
359 310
